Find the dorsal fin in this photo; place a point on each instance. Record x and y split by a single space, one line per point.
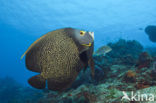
32 46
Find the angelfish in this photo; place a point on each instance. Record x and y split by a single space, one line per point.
58 57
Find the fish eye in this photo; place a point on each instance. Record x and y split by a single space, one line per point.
82 33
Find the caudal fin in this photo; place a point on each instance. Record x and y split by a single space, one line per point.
37 82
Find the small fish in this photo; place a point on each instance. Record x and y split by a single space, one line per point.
103 50
140 28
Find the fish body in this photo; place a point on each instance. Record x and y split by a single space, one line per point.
103 50
57 56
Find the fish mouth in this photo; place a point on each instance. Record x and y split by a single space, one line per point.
87 44
91 34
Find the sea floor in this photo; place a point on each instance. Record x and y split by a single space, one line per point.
128 70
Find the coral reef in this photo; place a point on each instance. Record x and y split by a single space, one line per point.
123 52
130 76
144 60
128 67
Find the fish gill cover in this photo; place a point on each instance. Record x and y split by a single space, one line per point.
120 24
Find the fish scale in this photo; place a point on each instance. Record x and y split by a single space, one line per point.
60 58
57 65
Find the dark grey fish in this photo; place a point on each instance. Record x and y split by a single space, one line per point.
59 56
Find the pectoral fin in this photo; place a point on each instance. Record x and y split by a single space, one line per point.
84 58
91 64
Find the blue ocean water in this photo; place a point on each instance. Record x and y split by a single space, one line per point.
23 21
